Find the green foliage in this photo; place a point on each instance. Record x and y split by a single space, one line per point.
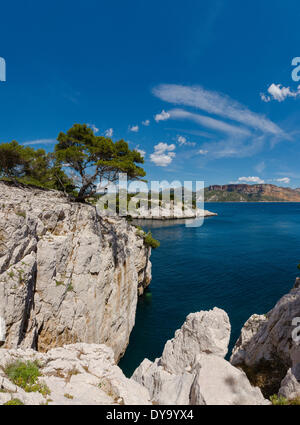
14 402
70 287
298 266
34 167
90 159
25 375
150 241
12 160
21 214
278 401
282 401
96 158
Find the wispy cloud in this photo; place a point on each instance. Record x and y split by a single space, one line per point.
260 167
93 127
182 141
279 93
109 132
146 123
40 142
238 132
285 180
208 122
163 154
134 128
215 103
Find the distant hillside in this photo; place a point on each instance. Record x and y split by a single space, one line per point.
251 193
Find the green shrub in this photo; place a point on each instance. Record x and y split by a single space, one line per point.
278 401
150 241
21 214
25 375
14 402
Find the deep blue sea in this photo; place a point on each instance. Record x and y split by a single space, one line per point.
242 260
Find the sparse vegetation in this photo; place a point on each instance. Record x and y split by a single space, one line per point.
25 375
150 241
70 287
21 214
14 402
69 396
282 401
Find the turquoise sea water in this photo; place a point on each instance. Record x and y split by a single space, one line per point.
243 261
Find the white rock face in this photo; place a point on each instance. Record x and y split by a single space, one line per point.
272 341
290 385
217 382
203 332
66 274
192 369
169 211
75 374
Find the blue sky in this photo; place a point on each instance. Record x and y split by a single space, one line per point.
203 88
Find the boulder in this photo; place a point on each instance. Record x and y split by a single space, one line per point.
192 369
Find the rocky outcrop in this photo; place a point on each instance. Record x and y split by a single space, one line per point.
170 212
192 369
75 374
268 348
66 274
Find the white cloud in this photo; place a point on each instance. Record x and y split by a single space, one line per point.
109 132
163 116
215 103
146 123
265 97
183 141
141 151
40 142
279 93
209 122
202 152
163 154
134 128
283 180
93 127
251 179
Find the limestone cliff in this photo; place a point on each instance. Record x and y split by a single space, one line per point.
250 193
66 274
268 348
